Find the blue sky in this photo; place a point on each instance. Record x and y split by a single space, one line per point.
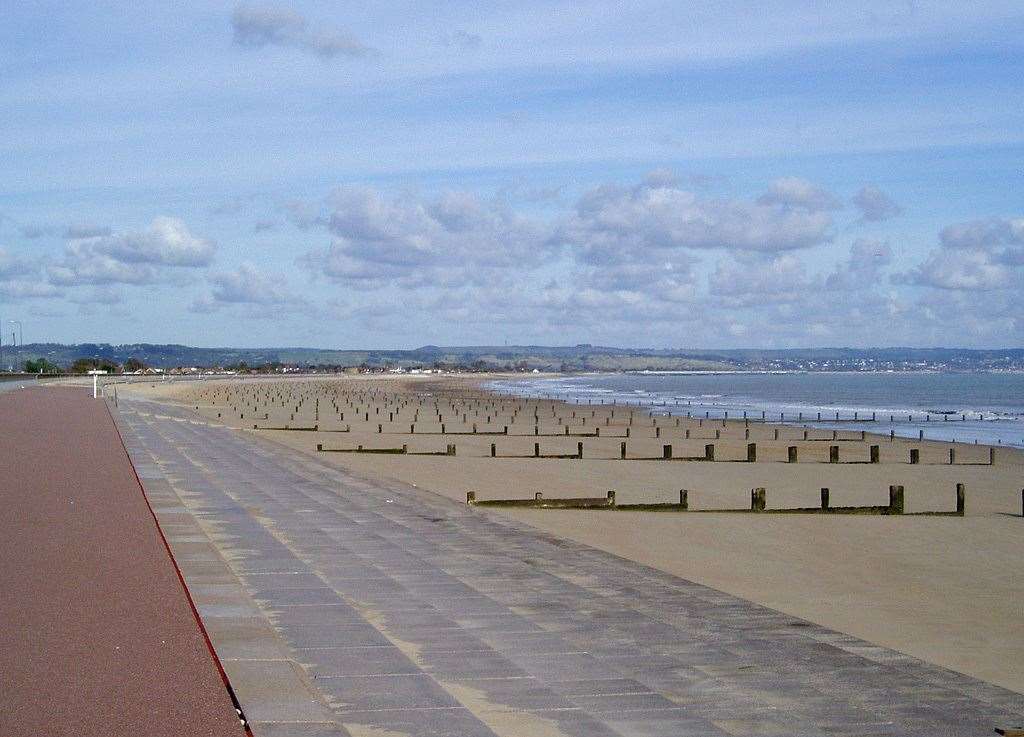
394 174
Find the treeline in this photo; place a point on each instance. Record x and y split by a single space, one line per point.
83 366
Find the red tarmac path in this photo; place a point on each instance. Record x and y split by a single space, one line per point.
97 634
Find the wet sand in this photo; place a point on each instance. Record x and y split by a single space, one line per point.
944 589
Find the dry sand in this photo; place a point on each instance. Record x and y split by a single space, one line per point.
949 590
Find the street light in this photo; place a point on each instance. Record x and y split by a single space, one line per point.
21 334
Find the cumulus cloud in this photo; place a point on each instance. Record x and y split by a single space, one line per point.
247 285
261 26
131 257
453 237
875 205
794 192
1002 237
756 279
983 255
864 269
19 278
962 269
613 224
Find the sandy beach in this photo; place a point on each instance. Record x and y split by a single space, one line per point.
945 589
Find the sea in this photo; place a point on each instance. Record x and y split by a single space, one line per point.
982 408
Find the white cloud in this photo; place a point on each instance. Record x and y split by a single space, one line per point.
257 27
453 237
167 242
1003 237
962 269
864 269
794 192
131 257
875 205
247 285
616 225
756 279
19 279
982 255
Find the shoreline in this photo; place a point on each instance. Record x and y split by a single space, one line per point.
939 588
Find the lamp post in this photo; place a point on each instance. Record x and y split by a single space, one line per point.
21 334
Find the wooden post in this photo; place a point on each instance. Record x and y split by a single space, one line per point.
687 433
622 451
775 436
873 454
791 454
579 450
952 456
709 452
895 500
683 501
666 452
751 452
757 499
961 493
657 432
824 497
833 454
991 456
494 450
536 450
915 455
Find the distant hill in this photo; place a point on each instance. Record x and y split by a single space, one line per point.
551 358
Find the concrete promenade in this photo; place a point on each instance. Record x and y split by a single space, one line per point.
340 606
97 636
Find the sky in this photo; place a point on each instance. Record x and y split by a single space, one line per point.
396 174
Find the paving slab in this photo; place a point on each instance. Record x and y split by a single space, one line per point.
393 611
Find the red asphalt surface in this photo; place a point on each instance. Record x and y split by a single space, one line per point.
97 634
